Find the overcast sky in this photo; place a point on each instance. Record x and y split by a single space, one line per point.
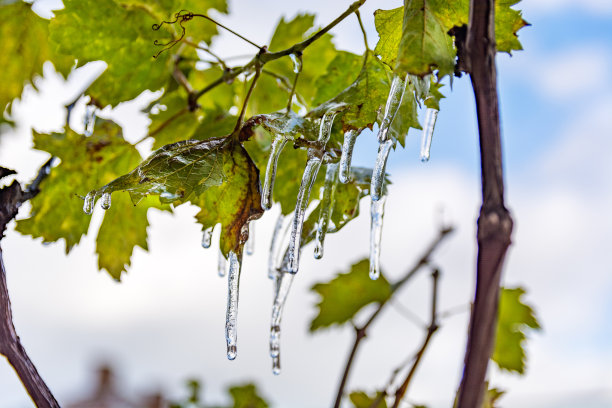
164 322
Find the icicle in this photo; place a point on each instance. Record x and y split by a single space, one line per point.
297 62
430 122
327 122
90 120
327 202
276 368
421 86
221 264
378 174
250 244
274 244
347 155
394 100
207 237
106 201
90 201
278 143
377 211
283 284
231 330
308 179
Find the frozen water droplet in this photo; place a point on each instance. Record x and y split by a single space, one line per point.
377 212
278 143
276 368
428 128
350 137
282 286
221 265
378 174
105 201
231 316
275 244
250 244
207 237
297 62
326 204
89 120
394 100
90 201
310 174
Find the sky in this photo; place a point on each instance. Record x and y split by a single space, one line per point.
164 322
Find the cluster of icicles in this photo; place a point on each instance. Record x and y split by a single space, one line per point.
284 259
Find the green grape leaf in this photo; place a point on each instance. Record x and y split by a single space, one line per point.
389 27
346 294
362 400
93 30
23 49
215 123
246 396
340 74
222 96
492 397
233 203
507 23
433 98
85 161
514 321
173 121
364 97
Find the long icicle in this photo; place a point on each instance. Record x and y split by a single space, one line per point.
377 212
221 265
276 147
394 100
250 244
231 316
275 242
350 136
428 128
283 284
378 174
207 237
326 204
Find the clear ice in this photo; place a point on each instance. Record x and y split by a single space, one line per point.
428 128
378 174
221 264
394 100
282 286
297 62
90 120
250 244
207 237
276 147
377 212
326 204
90 201
105 201
275 243
346 157
231 329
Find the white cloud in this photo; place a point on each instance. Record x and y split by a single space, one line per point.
552 6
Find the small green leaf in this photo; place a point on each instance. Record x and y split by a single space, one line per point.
362 400
514 321
492 397
389 27
246 396
347 294
507 23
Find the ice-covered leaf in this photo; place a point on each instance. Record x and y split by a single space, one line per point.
515 319
362 400
346 294
246 396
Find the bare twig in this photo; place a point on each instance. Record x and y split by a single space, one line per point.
245 103
363 31
361 332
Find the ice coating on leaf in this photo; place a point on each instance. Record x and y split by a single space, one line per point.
288 124
394 100
350 137
377 212
275 243
282 286
207 237
326 205
105 201
89 120
378 174
428 128
276 147
421 86
327 121
297 62
310 174
231 316
90 201
250 244
221 265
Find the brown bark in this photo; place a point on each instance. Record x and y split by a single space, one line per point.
494 222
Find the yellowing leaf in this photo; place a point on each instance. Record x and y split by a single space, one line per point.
346 294
362 400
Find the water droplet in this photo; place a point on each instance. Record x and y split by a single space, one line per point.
428 128
308 178
207 238
250 244
350 137
221 265
326 204
275 244
276 147
377 212
90 201
89 120
297 62
105 201
276 368
231 315
394 100
378 174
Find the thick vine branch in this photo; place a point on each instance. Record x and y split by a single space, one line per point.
494 221
11 198
361 332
